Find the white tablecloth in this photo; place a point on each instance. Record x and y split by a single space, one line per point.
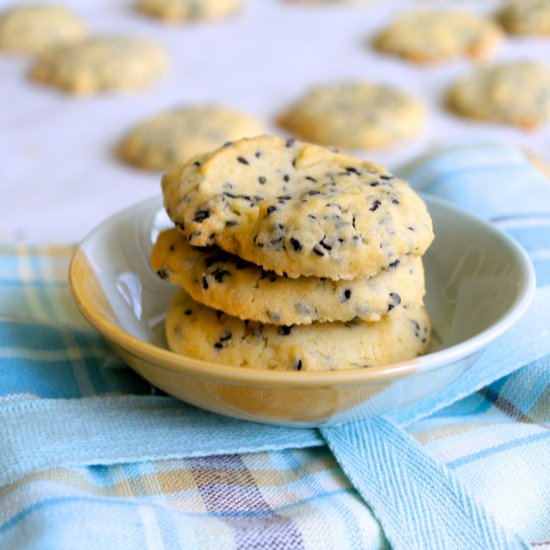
58 175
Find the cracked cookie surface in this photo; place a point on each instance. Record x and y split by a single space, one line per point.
100 64
204 333
297 209
515 93
30 29
435 35
244 290
355 115
179 134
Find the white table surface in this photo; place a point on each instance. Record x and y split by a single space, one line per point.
58 175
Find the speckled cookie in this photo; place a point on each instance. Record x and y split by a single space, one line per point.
101 64
526 17
435 35
204 333
242 289
297 209
357 116
514 93
189 10
177 135
30 29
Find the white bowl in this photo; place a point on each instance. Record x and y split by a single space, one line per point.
479 282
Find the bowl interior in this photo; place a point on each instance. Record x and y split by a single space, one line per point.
474 274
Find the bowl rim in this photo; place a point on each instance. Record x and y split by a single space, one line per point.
198 368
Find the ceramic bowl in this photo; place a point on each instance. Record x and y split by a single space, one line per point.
479 282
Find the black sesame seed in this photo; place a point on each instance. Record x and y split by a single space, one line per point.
318 251
180 225
271 209
258 154
311 179
346 295
262 180
296 244
188 312
204 282
394 264
311 193
298 365
352 170
290 142
395 300
324 244
228 144
387 177
394 201
284 197
172 248
375 205
242 160
218 345
197 163
201 215
219 274
285 330
225 336
410 228
162 273
286 178
231 223
374 184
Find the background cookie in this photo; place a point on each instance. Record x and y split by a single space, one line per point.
179 134
241 289
101 64
30 29
297 209
357 115
514 92
198 331
190 10
434 35
526 17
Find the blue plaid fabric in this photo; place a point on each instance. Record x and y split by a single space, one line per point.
91 456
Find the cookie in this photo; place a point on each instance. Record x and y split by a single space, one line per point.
328 2
204 333
101 64
189 10
179 134
30 29
516 92
244 290
355 116
436 35
530 17
297 209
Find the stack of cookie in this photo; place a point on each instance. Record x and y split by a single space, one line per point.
292 256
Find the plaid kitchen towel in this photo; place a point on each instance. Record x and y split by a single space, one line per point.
92 457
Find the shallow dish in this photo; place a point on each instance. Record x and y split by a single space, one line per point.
478 280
